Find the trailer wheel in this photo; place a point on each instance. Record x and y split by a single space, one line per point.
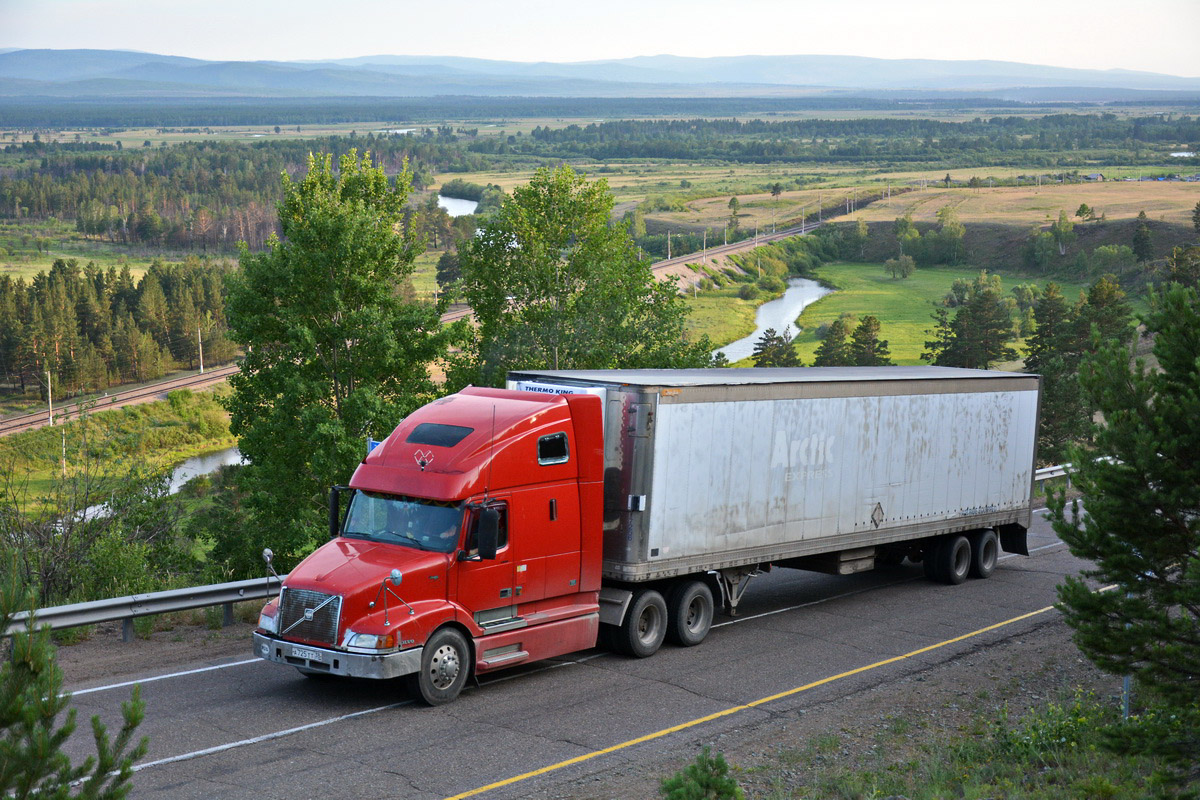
690 607
951 560
985 552
645 625
445 665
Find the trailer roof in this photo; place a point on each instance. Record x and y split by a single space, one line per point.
764 376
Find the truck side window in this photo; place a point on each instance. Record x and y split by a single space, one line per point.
552 449
501 540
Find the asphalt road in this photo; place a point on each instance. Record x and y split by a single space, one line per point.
246 728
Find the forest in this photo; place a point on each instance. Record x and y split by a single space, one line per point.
203 194
90 328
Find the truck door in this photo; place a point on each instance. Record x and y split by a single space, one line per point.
485 588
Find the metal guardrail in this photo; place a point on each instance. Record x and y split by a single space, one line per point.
125 609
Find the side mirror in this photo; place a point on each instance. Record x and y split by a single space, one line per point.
268 554
335 510
396 577
489 533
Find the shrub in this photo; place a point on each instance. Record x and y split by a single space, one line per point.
707 778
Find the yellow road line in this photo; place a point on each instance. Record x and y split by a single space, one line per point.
752 704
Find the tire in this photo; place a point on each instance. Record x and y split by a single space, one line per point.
985 552
445 667
952 560
645 625
690 613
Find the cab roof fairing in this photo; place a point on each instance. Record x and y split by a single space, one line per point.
508 440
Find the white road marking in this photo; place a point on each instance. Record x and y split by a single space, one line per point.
266 737
123 684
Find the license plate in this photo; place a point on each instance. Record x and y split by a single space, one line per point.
311 655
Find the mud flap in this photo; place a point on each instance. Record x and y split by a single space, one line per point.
1012 538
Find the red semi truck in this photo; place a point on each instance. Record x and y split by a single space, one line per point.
496 527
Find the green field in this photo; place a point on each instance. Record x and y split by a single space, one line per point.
904 307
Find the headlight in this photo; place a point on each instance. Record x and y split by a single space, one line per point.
372 641
268 623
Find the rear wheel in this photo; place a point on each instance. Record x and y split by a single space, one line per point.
645 625
445 666
691 613
952 560
985 552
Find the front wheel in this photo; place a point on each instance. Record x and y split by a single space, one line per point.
645 625
691 613
445 666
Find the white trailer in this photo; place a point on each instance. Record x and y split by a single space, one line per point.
719 474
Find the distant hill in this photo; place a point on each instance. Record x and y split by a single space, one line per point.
96 74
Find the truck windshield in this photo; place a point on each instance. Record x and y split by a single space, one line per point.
424 524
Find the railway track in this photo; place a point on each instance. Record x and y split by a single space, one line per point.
142 394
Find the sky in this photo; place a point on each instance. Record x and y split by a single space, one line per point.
1150 35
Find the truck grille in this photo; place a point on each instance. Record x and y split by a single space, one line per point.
322 627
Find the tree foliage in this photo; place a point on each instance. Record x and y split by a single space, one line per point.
834 349
554 285
33 729
775 349
1143 239
335 351
1140 483
866 348
706 778
978 334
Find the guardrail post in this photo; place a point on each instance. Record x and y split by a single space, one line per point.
127 629
227 620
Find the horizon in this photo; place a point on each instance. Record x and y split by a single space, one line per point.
1030 32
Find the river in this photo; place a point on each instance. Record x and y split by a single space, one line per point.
779 314
202 465
456 206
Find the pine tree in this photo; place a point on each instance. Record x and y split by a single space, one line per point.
866 348
33 730
1143 242
1053 352
978 335
775 349
1196 218
1140 484
834 349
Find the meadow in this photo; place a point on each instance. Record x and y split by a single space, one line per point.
903 306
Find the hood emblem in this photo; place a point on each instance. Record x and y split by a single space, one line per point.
423 458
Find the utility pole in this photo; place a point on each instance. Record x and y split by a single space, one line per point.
200 342
668 245
49 397
704 248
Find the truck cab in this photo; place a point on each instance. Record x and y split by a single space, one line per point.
467 541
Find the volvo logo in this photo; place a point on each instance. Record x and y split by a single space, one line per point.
308 614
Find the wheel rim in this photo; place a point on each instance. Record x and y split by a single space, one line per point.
649 624
444 667
962 560
696 615
988 557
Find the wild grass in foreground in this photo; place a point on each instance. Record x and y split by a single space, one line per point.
1055 752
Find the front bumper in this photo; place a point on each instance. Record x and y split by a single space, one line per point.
337 662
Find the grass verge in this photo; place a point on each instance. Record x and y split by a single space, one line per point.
1053 752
